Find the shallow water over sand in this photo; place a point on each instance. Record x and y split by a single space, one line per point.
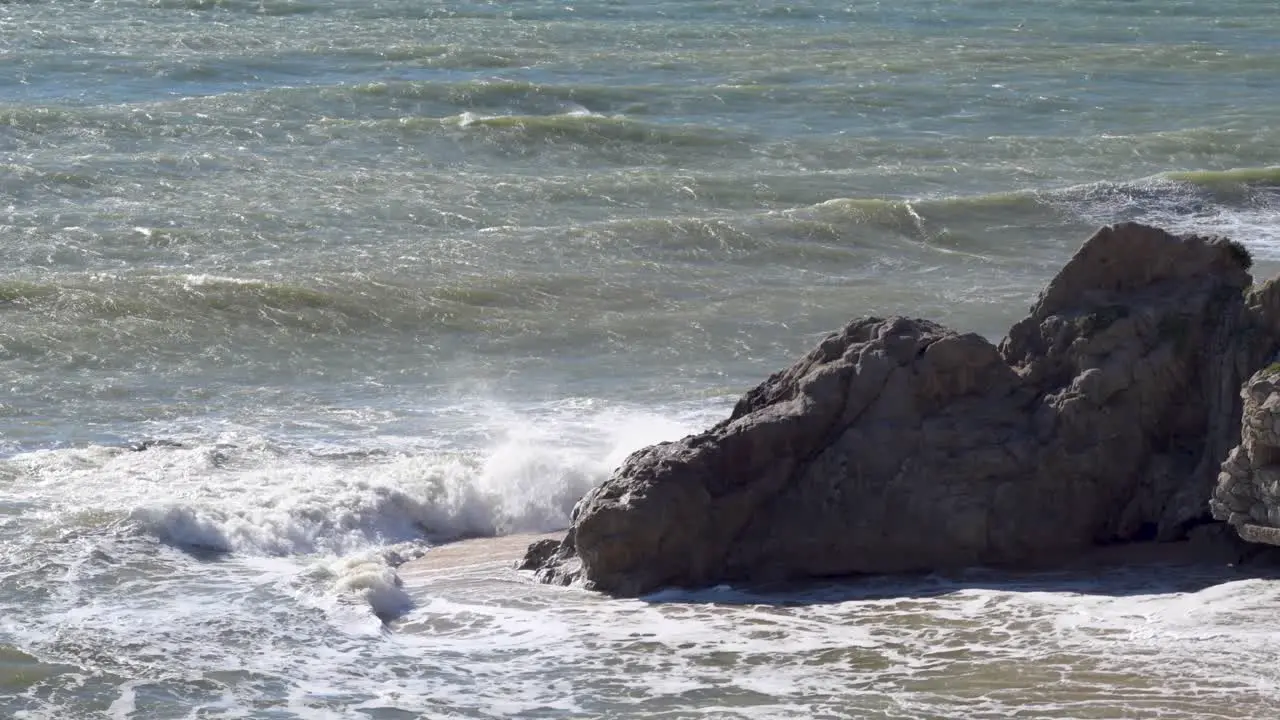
1155 641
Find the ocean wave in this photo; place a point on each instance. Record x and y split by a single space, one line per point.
305 507
575 125
368 579
15 177
202 305
269 8
28 119
349 516
32 126
1243 203
498 93
508 113
447 56
252 496
846 233
194 298
1264 176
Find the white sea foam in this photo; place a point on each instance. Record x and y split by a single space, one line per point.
979 645
1182 207
347 512
198 280
296 610
370 579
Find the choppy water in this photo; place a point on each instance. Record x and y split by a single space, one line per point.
391 272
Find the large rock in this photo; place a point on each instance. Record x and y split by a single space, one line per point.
898 445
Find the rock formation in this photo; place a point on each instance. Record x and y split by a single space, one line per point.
1248 493
898 445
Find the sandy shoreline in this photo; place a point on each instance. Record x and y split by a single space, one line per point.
471 554
501 553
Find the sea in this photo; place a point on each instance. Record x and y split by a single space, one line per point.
292 291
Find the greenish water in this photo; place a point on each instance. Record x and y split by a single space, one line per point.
388 272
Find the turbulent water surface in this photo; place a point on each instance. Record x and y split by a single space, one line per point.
374 274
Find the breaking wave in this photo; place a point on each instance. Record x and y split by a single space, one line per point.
349 515
1242 203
